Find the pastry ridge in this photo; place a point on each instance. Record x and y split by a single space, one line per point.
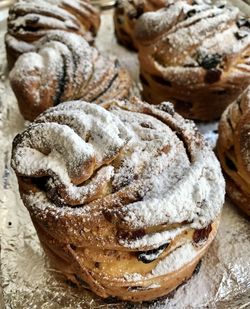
65 67
30 20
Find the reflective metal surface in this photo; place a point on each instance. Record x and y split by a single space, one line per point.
28 281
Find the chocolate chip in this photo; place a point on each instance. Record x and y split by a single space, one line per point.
230 164
151 255
167 107
191 13
140 9
138 234
108 215
209 61
146 125
202 234
97 264
212 76
73 247
240 35
243 23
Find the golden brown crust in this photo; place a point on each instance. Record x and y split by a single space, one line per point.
196 56
30 20
125 196
90 275
233 149
64 67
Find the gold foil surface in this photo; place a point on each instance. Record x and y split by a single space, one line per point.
28 281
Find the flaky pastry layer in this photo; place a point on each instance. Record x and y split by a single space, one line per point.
233 149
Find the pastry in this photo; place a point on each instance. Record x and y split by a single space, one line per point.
126 14
126 196
196 56
30 20
65 67
233 149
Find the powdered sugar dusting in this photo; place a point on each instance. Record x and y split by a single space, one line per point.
64 67
30 20
184 34
122 151
174 260
70 157
197 198
155 239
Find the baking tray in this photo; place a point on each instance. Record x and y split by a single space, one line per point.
28 281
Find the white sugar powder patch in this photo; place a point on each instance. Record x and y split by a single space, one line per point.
142 150
155 239
197 197
174 261
179 42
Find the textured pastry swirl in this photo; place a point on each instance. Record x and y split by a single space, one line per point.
196 56
64 67
126 14
125 196
29 20
233 150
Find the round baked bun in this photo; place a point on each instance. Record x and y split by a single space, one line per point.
126 197
31 20
196 56
65 67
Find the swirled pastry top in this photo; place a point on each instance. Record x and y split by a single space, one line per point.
65 67
124 167
194 43
29 20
